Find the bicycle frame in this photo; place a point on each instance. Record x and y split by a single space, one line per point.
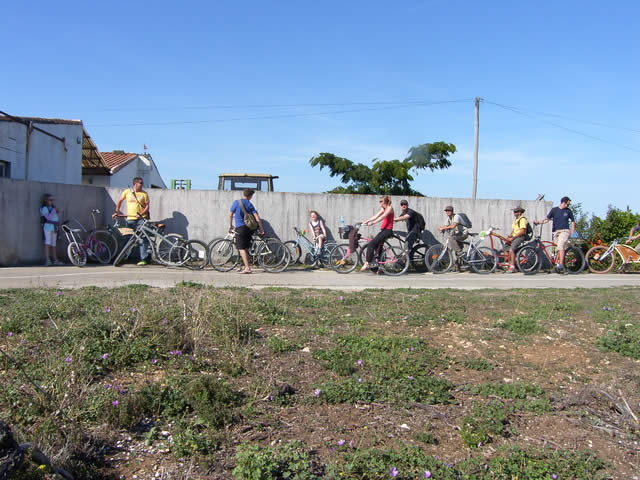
381 248
317 255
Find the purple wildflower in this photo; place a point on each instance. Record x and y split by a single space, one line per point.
21 341
132 309
317 392
107 386
554 476
154 361
341 442
107 310
427 474
412 349
105 356
410 377
164 321
393 471
359 362
10 334
177 353
359 380
59 292
115 403
68 359
341 298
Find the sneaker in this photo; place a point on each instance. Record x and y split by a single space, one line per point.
511 269
58 263
142 263
340 262
560 269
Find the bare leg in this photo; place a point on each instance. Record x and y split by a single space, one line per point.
245 260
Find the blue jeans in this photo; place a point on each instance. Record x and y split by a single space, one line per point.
143 244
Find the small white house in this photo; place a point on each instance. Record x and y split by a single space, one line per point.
46 150
122 168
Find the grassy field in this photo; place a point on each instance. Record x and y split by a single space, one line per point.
197 383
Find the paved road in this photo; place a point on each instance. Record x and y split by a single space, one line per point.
157 276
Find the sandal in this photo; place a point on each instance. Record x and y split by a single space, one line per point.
365 267
246 271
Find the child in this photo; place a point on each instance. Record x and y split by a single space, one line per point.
316 227
50 219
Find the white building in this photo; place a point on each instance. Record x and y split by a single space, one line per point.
123 167
46 150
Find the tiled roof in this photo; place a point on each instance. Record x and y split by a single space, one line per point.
59 121
115 160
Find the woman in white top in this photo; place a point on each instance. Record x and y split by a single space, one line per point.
316 227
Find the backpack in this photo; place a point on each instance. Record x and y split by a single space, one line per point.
420 221
529 234
249 220
464 220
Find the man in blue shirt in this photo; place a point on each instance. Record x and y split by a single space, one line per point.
244 233
564 224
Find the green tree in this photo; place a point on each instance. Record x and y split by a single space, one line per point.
385 177
616 224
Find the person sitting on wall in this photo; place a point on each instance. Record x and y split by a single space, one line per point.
137 211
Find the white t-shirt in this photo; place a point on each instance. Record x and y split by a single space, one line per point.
51 216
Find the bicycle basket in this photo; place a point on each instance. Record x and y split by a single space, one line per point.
344 231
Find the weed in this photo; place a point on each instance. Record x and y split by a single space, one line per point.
484 423
623 338
521 324
280 345
291 460
478 364
506 390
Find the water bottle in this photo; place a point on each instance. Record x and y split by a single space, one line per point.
341 221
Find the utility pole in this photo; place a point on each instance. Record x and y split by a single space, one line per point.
475 149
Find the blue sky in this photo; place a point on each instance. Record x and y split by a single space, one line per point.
263 86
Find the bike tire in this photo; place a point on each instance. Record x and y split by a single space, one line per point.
341 262
394 261
77 254
196 256
595 262
101 252
106 237
126 250
438 260
574 260
223 255
483 260
294 250
324 258
528 259
417 258
170 251
273 256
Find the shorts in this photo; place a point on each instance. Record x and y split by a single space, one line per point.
561 239
243 237
50 238
516 243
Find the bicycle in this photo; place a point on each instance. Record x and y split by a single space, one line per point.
535 255
439 258
169 250
268 253
78 250
392 260
602 258
313 255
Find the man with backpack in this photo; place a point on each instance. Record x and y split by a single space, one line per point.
457 226
415 223
520 229
247 220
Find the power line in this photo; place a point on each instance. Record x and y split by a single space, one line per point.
284 115
520 112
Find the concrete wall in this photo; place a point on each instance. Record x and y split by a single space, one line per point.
48 160
203 214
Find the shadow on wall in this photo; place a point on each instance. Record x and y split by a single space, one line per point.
177 223
427 237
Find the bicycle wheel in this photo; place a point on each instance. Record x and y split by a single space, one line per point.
126 250
574 260
417 258
108 238
483 260
342 260
394 260
438 259
101 252
294 250
171 251
528 260
195 254
273 255
76 254
324 258
599 264
223 255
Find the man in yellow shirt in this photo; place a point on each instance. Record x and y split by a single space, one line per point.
137 210
517 237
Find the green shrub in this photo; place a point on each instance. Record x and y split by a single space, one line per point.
623 338
290 460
